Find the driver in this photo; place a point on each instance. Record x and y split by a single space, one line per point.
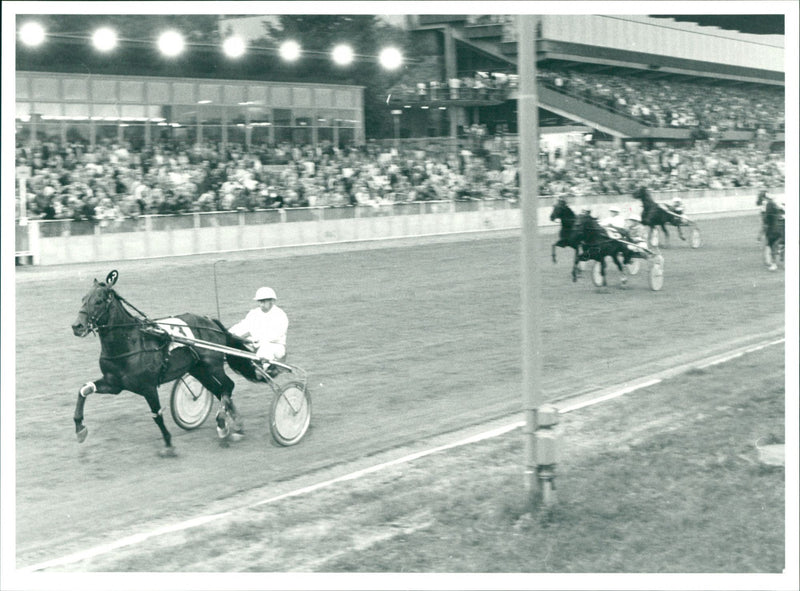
265 327
615 225
676 206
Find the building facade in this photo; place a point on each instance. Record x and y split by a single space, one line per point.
141 110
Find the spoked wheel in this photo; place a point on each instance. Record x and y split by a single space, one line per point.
694 238
290 415
634 266
656 278
597 275
189 402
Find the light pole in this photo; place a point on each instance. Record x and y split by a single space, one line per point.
396 115
531 292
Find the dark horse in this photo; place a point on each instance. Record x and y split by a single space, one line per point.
596 245
563 212
137 354
655 215
773 219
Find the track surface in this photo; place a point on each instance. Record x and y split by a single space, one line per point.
401 343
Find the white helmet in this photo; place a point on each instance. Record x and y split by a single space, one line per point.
676 200
265 293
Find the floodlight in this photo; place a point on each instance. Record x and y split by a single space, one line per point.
391 58
342 54
31 34
171 43
290 50
234 47
104 39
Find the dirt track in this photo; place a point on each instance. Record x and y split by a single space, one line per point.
401 343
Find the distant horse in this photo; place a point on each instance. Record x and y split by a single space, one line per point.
655 215
596 245
136 354
774 229
563 212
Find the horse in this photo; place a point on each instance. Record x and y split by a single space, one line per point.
655 215
137 355
563 213
774 229
597 244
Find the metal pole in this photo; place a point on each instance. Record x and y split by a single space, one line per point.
216 291
528 121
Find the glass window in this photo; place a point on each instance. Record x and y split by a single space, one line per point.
104 90
257 94
131 91
138 111
22 87
184 114
259 114
208 92
45 88
303 117
282 117
76 89
260 135
233 94
157 92
154 111
324 97
23 110
280 96
105 110
76 110
183 92
77 132
47 109
345 98
301 96
107 132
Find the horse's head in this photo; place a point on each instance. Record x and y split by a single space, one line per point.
561 211
641 194
95 306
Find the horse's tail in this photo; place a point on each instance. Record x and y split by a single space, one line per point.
241 365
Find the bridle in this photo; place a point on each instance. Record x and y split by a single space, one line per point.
97 321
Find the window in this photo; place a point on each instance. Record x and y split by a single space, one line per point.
157 92
104 90
45 88
131 91
183 93
22 88
282 117
76 89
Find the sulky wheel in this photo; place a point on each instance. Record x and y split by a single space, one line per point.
597 275
694 238
290 415
190 402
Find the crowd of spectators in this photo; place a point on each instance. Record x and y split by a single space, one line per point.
481 86
667 103
113 181
699 105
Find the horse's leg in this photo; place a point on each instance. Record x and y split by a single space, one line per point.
575 269
101 386
553 251
621 265
666 234
603 270
151 396
218 383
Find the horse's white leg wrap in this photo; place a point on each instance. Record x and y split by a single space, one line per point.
155 415
87 388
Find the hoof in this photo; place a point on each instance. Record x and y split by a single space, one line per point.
771 268
168 452
82 435
236 436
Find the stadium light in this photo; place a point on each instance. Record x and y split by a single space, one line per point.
290 50
32 34
234 47
391 58
104 39
342 55
171 43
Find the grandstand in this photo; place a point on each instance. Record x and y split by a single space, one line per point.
585 60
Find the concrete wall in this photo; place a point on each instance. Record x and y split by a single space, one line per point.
367 224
